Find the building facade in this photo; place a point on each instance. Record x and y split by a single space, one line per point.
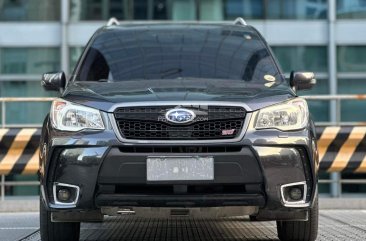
324 36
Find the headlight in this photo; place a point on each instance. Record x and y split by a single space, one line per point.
292 115
66 116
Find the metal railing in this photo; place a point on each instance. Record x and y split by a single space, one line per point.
335 98
5 183
5 100
336 179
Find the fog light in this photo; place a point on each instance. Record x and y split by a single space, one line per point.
295 193
63 195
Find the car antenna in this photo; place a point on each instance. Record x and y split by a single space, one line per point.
240 21
112 21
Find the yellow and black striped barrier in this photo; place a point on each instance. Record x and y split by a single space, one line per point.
341 149
19 150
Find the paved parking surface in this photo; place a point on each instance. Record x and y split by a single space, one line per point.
334 225
14 226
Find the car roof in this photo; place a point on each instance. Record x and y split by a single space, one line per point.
176 25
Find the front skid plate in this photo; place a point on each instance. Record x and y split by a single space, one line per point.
212 212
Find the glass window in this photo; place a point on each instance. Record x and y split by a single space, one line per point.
352 110
324 188
133 9
299 9
302 58
98 10
187 9
26 10
351 58
21 190
31 112
263 9
75 53
351 9
183 10
175 51
29 60
248 9
319 109
353 188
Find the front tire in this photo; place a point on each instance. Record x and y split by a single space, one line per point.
300 230
59 231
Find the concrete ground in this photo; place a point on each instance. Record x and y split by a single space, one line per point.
340 219
334 225
15 226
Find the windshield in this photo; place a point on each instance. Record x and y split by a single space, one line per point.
178 51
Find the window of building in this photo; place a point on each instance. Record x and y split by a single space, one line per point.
249 9
74 55
351 59
29 60
353 188
308 58
31 112
133 9
216 10
348 9
98 10
300 9
263 9
26 10
352 110
351 63
302 58
32 62
319 109
21 190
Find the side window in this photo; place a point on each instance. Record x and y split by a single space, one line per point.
94 67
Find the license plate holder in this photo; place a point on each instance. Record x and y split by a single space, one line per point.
174 168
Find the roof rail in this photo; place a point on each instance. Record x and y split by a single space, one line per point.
112 21
240 21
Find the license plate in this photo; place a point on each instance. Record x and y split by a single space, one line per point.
180 168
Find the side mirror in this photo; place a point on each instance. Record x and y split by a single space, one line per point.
54 81
302 80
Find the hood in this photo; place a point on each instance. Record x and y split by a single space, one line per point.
103 95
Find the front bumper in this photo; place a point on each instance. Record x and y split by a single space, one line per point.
110 173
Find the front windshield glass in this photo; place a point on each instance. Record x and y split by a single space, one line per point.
179 51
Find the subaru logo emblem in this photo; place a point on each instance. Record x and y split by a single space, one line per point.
180 116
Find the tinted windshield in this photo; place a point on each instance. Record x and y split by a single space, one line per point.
178 51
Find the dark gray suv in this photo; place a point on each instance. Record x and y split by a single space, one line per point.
178 119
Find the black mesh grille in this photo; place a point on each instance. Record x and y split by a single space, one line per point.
211 122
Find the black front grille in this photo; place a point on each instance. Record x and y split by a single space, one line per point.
149 123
